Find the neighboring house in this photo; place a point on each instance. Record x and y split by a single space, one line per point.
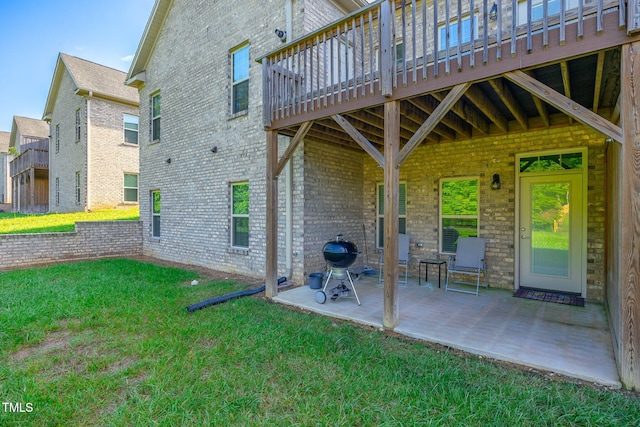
93 120
29 170
510 124
202 169
5 160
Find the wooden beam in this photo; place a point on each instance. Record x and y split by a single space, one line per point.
300 134
629 354
467 113
391 315
543 112
386 55
361 140
452 97
568 106
566 81
429 105
615 114
510 101
414 117
271 230
598 82
475 95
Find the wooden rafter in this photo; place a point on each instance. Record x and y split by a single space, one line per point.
566 81
543 112
452 97
510 101
428 105
417 116
373 134
482 103
300 134
359 139
598 82
565 104
406 130
466 112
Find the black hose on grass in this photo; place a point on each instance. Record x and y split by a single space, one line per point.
224 298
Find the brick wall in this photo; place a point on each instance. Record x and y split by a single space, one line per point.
92 239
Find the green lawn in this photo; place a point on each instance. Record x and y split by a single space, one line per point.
110 343
15 223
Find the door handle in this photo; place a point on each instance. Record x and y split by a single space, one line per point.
522 236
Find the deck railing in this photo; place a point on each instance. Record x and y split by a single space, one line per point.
33 158
390 44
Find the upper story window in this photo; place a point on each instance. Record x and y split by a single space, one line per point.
78 125
240 79
459 211
155 117
130 129
78 188
453 32
537 9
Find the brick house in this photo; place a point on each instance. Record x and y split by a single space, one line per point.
5 160
93 121
29 170
202 153
380 118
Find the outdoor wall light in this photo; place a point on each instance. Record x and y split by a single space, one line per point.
495 183
282 35
168 161
493 13
214 149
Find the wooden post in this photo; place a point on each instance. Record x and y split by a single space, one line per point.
629 344
386 43
271 227
391 212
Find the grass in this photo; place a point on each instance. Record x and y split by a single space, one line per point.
15 223
109 343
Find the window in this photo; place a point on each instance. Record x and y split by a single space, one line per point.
240 80
453 32
155 117
240 215
537 9
57 191
130 129
155 213
459 212
78 125
402 213
57 138
131 187
551 162
78 187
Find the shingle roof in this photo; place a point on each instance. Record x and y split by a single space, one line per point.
4 142
99 79
31 127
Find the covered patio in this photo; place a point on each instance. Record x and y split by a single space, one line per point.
567 340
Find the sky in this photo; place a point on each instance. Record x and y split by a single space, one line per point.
34 32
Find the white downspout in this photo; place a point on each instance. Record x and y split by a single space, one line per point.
88 204
288 10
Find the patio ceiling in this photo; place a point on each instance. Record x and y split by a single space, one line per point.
491 107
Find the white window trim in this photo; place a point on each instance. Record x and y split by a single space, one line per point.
153 118
57 138
137 188
124 129
454 21
154 214
381 216
441 216
78 125
78 188
234 215
234 83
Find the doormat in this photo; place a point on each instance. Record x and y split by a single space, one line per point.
548 296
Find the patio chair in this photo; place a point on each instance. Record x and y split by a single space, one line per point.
403 258
469 260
